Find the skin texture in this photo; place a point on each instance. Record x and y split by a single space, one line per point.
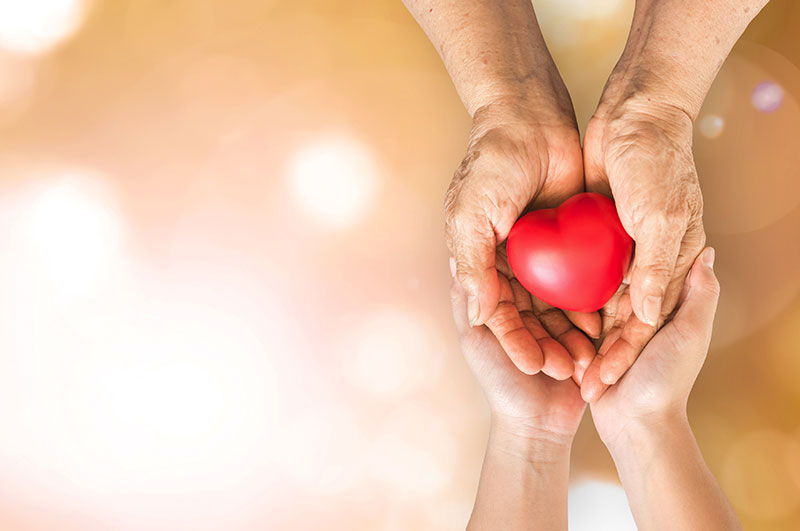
525 473
524 151
638 148
642 420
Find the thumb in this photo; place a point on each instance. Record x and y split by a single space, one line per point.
654 264
471 238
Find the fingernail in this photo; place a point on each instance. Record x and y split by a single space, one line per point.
473 309
652 309
452 267
708 257
608 378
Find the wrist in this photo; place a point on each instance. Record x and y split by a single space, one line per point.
639 117
645 432
528 442
541 99
646 83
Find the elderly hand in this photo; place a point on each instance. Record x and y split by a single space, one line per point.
640 153
520 154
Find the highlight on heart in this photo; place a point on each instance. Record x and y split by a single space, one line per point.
572 257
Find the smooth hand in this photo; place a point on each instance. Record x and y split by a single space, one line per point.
530 407
643 421
520 154
534 418
655 390
640 152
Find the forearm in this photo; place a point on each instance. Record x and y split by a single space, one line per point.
666 479
523 484
493 51
675 49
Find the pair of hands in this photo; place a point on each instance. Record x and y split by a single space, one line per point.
524 155
540 408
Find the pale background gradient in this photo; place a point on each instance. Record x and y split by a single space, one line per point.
224 280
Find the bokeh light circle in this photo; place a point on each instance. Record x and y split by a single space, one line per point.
711 126
74 231
599 506
749 173
333 179
35 26
767 96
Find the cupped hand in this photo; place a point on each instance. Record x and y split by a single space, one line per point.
519 156
657 386
640 153
531 406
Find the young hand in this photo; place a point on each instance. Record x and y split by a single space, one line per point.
533 407
657 387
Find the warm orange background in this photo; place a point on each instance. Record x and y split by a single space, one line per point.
225 284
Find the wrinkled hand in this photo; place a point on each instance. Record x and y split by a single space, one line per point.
658 385
517 157
641 154
531 406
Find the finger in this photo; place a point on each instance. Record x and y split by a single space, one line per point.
458 303
574 343
615 311
472 226
513 333
590 323
556 360
592 388
692 244
695 316
658 242
473 247
625 349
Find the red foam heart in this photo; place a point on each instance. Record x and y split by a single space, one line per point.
574 256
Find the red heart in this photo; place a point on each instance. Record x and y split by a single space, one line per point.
574 256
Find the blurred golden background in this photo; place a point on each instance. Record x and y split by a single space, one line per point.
225 283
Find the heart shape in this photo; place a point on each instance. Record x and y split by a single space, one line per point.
574 256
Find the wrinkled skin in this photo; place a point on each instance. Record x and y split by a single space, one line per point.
516 158
641 154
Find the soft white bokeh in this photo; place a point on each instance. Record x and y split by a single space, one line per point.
333 180
74 232
711 126
35 26
599 506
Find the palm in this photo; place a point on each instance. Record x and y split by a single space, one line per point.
534 400
644 388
